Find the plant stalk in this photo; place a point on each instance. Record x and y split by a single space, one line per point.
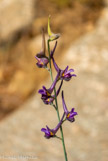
58 115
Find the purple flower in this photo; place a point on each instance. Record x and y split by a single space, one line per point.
50 99
41 57
42 61
64 74
69 115
46 93
51 132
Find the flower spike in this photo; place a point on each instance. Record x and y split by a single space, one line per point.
41 57
51 132
48 95
52 36
69 115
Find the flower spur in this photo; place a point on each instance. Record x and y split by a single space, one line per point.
42 59
69 115
64 74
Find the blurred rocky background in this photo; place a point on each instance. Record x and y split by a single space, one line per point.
20 39
83 45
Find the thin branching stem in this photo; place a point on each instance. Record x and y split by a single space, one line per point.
61 130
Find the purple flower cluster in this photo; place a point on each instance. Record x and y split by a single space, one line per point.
47 94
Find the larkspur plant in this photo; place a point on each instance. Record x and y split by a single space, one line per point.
46 94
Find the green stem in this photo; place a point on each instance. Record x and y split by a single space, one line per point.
61 130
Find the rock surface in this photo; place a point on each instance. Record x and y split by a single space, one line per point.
86 139
10 19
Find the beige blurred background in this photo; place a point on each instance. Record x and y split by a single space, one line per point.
20 39
83 44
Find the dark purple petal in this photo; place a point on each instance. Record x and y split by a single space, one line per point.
71 119
66 69
73 113
44 88
39 65
48 100
43 130
70 115
47 128
41 91
45 60
69 71
48 132
73 75
72 110
66 77
42 62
